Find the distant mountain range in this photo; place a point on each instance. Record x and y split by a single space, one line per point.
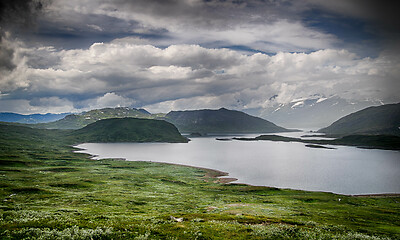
314 111
203 121
76 121
128 130
30 119
220 121
383 119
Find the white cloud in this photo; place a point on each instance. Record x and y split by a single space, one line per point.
125 73
110 100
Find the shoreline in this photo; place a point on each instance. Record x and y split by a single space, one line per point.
209 173
218 174
377 195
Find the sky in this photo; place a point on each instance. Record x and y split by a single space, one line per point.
71 56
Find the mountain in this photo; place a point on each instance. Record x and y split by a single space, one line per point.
220 121
383 119
30 119
76 121
128 130
314 111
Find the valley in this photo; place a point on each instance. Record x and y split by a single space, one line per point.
50 191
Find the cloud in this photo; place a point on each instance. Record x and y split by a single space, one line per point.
376 22
20 13
256 25
42 105
383 12
126 72
267 26
15 15
13 69
110 100
260 25
178 54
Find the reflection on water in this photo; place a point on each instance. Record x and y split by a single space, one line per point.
346 170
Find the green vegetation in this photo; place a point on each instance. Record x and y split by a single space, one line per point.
198 121
50 192
220 121
76 121
387 142
383 119
107 130
128 130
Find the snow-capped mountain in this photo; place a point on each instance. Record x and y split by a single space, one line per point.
312 112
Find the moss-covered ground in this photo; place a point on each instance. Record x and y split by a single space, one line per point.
50 192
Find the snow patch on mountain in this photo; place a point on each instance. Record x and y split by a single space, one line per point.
297 104
311 112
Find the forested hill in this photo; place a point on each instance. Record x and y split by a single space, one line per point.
107 130
383 119
220 121
128 130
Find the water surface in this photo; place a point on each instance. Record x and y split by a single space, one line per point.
346 170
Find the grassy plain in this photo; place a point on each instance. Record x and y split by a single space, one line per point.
50 192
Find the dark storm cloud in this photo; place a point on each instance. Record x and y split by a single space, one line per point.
20 13
16 15
384 11
383 14
254 26
214 13
6 55
386 19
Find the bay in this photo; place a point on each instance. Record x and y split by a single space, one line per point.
344 170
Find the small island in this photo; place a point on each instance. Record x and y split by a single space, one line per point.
386 142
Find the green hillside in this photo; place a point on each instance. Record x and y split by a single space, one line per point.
107 130
76 121
128 130
383 119
48 191
220 121
27 136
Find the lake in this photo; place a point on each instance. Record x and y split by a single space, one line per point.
345 170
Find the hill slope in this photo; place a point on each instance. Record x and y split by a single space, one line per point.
76 121
50 192
383 119
128 130
220 121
